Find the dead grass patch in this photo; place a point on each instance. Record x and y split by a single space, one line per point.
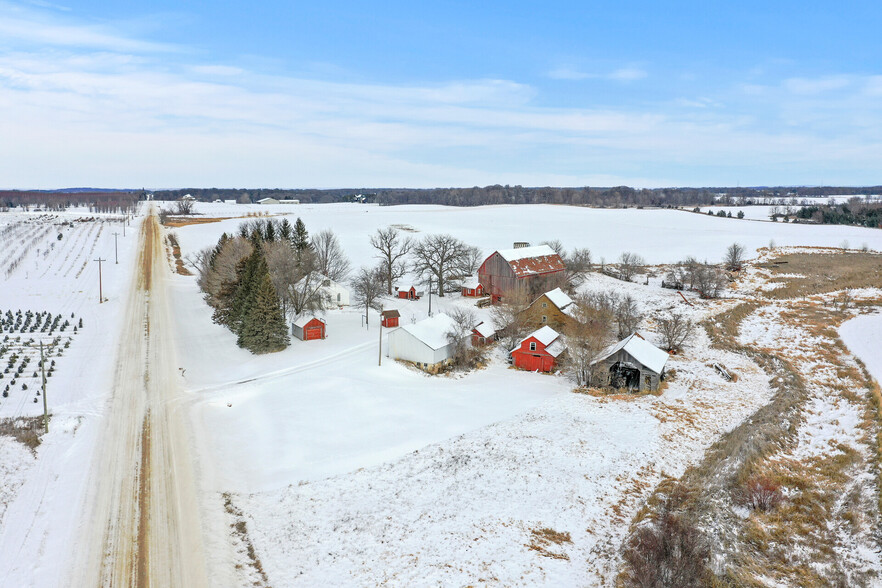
240 531
180 268
824 272
183 221
26 430
543 539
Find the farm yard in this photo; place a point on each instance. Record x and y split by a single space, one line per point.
336 464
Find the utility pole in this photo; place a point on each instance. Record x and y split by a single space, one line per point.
430 295
124 225
116 245
45 405
380 362
100 290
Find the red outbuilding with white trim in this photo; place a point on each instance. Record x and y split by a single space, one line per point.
538 351
308 328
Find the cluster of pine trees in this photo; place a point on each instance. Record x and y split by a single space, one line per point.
236 278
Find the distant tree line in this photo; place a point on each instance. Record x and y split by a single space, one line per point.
98 201
854 212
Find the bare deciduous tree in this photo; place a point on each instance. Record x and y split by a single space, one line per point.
330 259
367 287
587 336
734 257
294 277
627 316
441 258
675 329
464 355
629 264
509 318
392 249
710 281
184 207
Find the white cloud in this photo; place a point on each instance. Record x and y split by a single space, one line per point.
628 74
624 74
816 85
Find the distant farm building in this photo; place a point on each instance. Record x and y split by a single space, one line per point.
483 334
552 308
425 343
187 198
389 318
268 201
289 201
527 269
309 328
539 351
409 293
472 287
634 363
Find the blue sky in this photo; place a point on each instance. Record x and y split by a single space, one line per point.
346 94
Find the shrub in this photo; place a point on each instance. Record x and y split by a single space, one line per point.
760 493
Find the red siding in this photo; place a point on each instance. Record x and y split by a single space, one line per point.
534 361
390 322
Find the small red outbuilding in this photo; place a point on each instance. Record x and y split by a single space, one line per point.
409 293
308 328
471 287
538 352
390 318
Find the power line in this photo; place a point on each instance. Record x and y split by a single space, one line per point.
100 289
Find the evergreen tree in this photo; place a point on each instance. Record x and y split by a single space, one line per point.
269 232
300 238
246 273
285 230
263 328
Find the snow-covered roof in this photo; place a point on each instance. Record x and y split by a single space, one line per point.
546 335
485 329
471 282
433 330
559 298
305 319
525 252
641 350
556 348
527 261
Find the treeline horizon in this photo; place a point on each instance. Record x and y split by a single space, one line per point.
617 196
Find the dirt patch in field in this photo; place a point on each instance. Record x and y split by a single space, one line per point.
180 268
183 221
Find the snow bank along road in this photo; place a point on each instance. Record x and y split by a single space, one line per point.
142 525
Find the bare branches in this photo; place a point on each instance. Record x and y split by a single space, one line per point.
734 257
367 287
442 258
675 330
629 264
330 259
391 248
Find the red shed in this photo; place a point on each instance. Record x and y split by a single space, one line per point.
538 352
308 328
472 287
409 293
534 269
390 318
483 334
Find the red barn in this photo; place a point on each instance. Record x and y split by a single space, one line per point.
531 269
472 287
409 293
308 328
538 352
389 318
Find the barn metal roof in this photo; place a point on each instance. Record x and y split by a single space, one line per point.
528 261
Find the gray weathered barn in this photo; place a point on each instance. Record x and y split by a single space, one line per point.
634 363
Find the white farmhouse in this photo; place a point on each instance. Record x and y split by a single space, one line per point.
425 343
333 294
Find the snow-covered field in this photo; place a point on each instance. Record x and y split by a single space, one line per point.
352 473
660 236
863 336
38 491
